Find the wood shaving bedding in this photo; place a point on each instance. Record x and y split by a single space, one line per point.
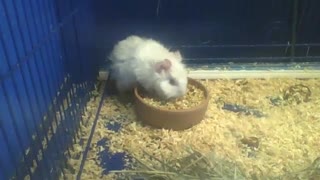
289 134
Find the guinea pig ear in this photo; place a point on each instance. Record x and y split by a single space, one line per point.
164 65
177 54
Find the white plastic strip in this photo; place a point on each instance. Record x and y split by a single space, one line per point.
265 74
239 74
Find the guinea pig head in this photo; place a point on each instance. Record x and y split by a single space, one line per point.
172 81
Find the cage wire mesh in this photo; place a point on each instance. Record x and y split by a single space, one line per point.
48 65
45 79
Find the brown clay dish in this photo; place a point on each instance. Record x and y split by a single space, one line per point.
171 119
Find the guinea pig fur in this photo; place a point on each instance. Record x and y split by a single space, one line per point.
150 64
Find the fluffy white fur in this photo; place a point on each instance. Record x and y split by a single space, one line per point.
149 63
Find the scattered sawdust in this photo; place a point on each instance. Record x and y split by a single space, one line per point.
288 136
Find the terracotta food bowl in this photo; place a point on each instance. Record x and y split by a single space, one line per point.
171 119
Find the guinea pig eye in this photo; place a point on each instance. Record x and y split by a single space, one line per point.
173 82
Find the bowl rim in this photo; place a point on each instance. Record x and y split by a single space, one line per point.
203 103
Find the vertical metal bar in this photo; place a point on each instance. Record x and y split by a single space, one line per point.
40 78
75 100
15 126
82 72
20 102
32 14
55 75
38 102
58 142
11 155
56 7
78 49
46 74
23 79
74 128
67 65
294 28
81 104
43 6
26 89
2 169
72 98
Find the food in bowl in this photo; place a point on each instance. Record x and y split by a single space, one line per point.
192 98
178 118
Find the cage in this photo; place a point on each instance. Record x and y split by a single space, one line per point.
57 121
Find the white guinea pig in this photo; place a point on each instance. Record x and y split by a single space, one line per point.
149 63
